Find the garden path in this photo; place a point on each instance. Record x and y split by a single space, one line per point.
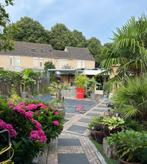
73 145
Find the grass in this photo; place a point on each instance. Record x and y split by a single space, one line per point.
100 149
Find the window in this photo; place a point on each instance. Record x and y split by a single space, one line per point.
41 64
63 63
80 64
37 62
17 61
83 64
11 60
14 60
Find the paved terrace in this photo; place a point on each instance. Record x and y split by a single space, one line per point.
73 145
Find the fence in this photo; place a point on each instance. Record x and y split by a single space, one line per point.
40 86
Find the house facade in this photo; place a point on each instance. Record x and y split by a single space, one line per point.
34 55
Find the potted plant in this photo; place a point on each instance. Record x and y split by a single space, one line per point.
113 124
81 83
103 126
97 129
91 86
129 146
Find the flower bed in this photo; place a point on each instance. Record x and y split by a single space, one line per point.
31 125
119 141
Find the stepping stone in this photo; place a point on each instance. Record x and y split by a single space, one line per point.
101 109
92 114
86 120
77 129
68 142
68 115
102 105
72 159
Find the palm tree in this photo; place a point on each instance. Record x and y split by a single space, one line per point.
131 99
129 49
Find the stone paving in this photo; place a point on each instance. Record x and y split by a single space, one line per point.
73 145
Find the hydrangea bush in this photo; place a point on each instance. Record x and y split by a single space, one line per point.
31 125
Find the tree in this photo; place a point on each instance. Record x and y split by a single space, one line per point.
95 48
29 78
48 65
105 50
129 48
29 30
5 38
77 40
59 36
50 75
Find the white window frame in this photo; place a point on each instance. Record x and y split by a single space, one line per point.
80 64
63 63
38 62
41 62
35 62
11 61
16 61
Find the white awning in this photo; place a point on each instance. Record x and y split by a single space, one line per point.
92 72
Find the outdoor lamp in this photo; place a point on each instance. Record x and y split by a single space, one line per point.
58 76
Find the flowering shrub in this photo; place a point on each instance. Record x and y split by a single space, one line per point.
31 107
30 125
51 121
37 135
56 123
9 127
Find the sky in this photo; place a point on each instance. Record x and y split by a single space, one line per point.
94 18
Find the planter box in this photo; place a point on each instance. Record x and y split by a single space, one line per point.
109 150
125 162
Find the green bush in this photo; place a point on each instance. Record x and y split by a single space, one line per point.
131 99
34 124
47 118
129 145
108 124
134 125
96 121
81 81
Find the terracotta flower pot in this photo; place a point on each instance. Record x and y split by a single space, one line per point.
125 162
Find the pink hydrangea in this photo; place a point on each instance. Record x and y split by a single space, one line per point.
2 124
36 123
31 107
19 110
28 115
21 104
11 105
37 135
9 127
56 123
42 106
56 113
